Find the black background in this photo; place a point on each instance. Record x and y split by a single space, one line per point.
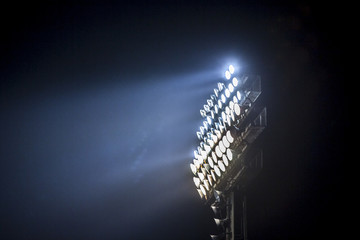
59 47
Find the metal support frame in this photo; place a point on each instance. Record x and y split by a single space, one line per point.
236 202
247 162
238 215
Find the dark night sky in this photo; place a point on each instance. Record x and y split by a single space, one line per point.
100 103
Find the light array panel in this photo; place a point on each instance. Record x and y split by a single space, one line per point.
226 132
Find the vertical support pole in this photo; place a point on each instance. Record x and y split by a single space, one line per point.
244 217
232 216
239 215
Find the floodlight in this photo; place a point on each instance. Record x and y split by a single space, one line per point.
237 109
227 93
227 75
221 166
202 188
200 147
215 209
214 136
238 95
235 100
220 104
206 184
196 154
218 133
229 136
213 175
235 82
196 181
225 142
231 87
196 163
203 156
207 148
223 115
221 236
205 141
210 161
227 110
216 91
216 109
210 179
199 135
219 195
206 108
228 120
221 222
211 142
201 176
218 151
203 171
217 221
207 167
210 102
206 125
217 126
231 105
223 98
225 120
200 193
222 147
213 155
221 86
225 160
221 126
202 151
202 130
222 120
218 208
208 119
232 116
193 168
229 154
231 69
217 170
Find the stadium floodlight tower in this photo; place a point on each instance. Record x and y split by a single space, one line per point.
228 156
